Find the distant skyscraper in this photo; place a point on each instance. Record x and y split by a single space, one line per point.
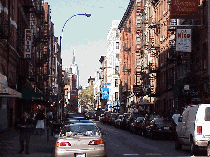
75 69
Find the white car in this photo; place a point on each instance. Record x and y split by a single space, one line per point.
80 140
193 128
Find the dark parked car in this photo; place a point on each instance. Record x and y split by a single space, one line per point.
90 115
106 117
131 119
161 127
112 118
146 122
118 121
124 120
136 126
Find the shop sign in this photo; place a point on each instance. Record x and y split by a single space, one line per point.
105 93
183 40
106 84
184 9
28 43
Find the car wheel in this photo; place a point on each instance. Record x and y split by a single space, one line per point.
178 145
152 135
142 133
193 149
208 149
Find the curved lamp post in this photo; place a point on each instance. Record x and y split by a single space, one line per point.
87 15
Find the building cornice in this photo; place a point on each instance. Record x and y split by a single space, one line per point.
126 14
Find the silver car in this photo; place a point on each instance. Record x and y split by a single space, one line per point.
80 140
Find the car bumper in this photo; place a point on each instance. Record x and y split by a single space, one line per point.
72 153
164 132
201 143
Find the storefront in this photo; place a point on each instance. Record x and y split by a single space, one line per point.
8 97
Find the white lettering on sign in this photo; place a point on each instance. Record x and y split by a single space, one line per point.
183 40
28 43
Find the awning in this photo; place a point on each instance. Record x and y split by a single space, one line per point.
8 92
28 94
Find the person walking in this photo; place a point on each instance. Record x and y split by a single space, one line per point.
40 122
25 125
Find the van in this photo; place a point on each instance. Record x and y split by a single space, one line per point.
193 128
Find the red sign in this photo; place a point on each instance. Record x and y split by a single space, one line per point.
184 9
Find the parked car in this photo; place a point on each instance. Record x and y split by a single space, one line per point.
123 123
106 117
80 139
146 121
136 126
112 118
208 148
131 119
90 115
118 121
98 114
161 127
193 128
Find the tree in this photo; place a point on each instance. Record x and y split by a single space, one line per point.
86 97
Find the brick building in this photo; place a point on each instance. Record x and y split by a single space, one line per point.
26 54
154 73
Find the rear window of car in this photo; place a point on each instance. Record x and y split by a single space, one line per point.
207 114
86 130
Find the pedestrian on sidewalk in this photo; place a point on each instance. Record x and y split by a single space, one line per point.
40 122
25 126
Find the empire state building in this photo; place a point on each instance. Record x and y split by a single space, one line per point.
75 70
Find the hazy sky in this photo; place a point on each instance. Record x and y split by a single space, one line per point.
86 35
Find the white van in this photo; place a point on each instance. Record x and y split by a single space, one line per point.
193 128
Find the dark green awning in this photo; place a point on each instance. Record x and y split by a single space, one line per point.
28 94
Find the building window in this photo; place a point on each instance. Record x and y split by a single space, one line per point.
117 70
117 45
116 82
118 57
116 96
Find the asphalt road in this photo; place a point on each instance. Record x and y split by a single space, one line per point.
121 143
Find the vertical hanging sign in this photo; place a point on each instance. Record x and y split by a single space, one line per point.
105 93
28 43
183 40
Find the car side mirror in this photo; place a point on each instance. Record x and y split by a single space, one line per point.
180 119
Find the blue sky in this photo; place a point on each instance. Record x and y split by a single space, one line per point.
86 35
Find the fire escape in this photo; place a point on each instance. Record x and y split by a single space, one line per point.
139 49
36 15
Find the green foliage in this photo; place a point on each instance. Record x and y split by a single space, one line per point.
87 96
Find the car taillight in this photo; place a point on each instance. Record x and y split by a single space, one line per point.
96 142
59 144
199 130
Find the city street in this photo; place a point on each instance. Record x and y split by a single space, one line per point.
123 143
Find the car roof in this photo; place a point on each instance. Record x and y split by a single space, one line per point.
79 123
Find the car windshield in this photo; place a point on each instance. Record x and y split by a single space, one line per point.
72 115
140 119
207 114
85 130
114 115
164 121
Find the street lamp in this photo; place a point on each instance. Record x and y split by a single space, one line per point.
87 15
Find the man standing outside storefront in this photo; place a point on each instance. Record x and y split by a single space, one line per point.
25 126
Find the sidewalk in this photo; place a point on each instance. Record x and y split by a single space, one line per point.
39 146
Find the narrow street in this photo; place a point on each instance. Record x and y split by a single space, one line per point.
123 143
